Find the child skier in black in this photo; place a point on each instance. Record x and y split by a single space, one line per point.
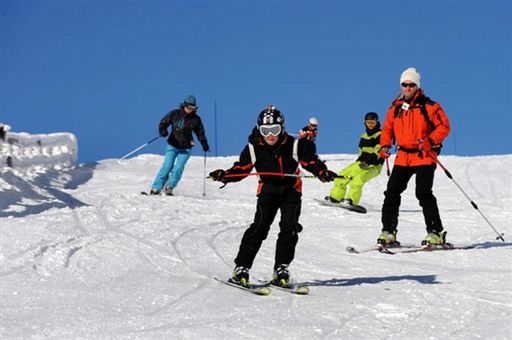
272 150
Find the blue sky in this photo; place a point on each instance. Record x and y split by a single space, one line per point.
108 71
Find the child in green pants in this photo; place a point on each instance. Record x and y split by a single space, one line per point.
367 166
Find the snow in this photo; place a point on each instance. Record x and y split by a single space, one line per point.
85 256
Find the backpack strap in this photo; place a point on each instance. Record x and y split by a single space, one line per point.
423 108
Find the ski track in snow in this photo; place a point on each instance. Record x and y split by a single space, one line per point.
135 267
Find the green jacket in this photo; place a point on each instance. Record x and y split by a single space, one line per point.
369 147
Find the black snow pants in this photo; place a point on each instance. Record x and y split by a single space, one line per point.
397 184
289 202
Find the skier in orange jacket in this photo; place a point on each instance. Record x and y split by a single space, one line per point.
418 126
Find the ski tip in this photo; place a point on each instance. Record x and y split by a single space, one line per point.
302 290
265 291
352 250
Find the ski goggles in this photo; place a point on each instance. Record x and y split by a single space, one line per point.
371 122
267 130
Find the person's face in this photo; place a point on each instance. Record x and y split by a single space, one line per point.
271 139
409 89
271 133
370 123
189 109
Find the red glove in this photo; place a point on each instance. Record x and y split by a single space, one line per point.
384 152
424 144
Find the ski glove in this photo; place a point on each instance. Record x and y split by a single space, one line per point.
327 176
164 133
424 144
363 165
384 152
206 147
217 175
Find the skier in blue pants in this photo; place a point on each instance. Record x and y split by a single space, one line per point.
184 121
174 164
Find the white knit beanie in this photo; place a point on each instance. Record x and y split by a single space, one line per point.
412 75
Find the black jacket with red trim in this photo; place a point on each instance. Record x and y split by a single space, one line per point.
277 158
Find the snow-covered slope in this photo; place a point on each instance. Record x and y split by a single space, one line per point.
84 255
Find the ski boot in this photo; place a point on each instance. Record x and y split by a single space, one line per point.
281 276
330 199
387 239
347 201
168 191
434 238
154 191
240 276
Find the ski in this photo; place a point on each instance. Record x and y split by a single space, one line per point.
407 249
378 247
298 289
429 248
293 288
145 193
262 290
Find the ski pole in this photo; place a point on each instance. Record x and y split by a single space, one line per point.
140 147
500 235
279 174
204 174
387 168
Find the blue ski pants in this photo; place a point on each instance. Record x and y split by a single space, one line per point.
173 167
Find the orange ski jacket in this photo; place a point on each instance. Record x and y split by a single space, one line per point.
406 124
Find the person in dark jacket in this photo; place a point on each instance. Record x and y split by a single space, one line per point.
183 122
277 155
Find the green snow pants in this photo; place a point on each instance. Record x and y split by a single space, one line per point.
356 178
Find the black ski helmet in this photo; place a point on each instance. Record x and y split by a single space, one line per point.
371 116
269 116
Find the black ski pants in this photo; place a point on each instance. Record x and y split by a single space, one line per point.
289 203
397 184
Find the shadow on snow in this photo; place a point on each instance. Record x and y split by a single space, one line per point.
423 279
46 191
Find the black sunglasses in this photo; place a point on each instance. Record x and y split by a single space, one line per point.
408 85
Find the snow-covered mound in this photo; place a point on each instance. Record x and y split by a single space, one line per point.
109 263
34 170
24 151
